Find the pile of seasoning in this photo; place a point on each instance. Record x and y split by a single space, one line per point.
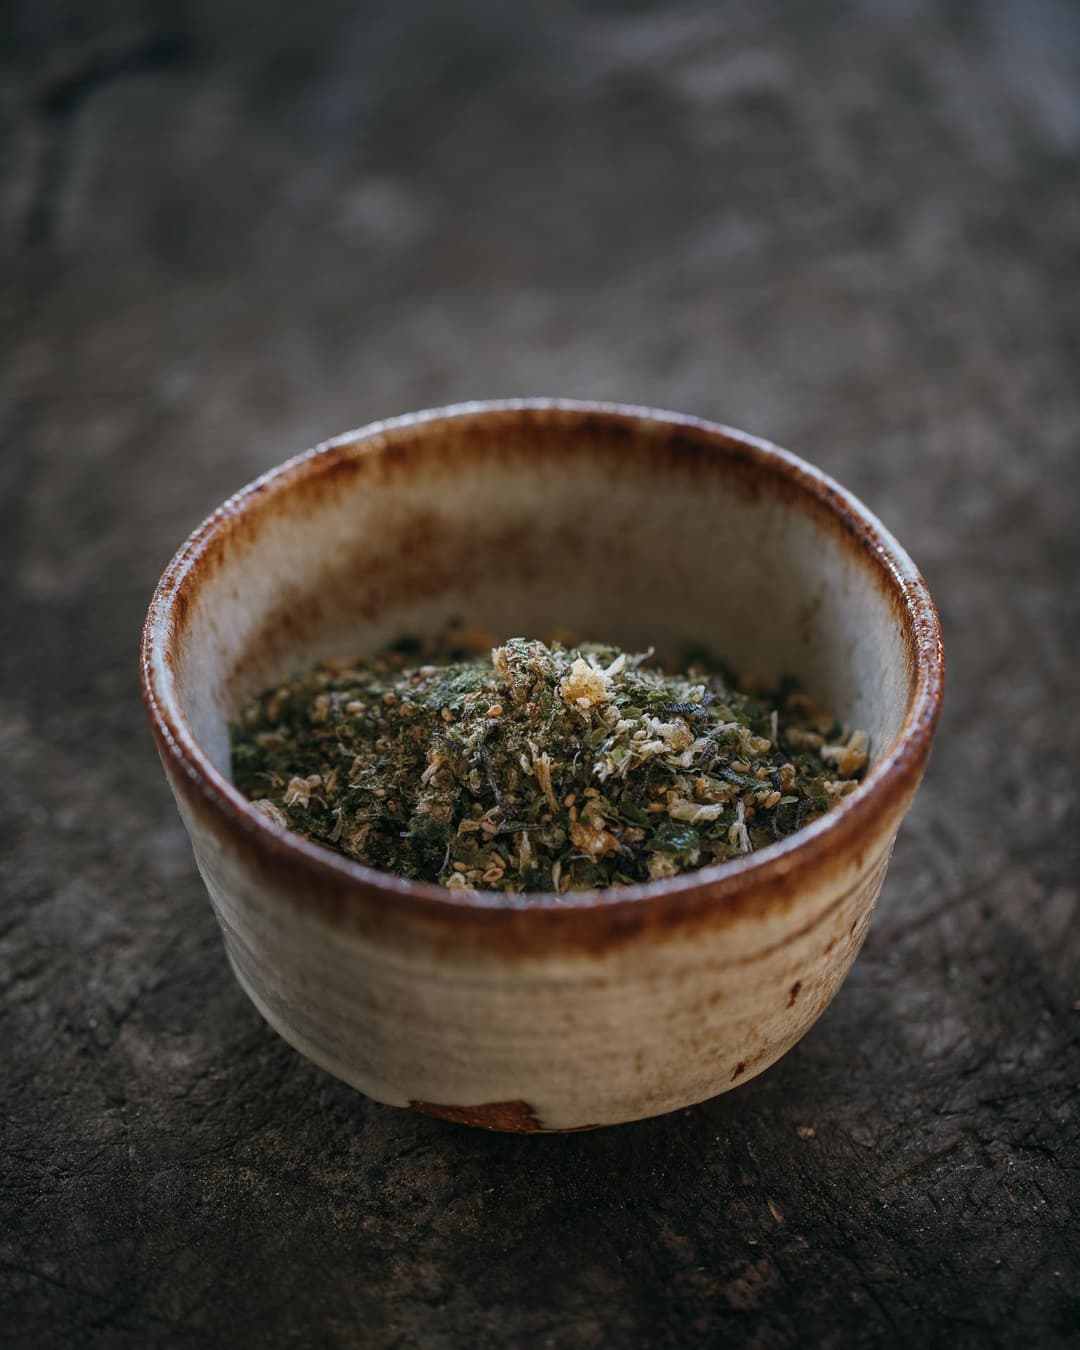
538 767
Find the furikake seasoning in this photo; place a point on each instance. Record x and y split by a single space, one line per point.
538 768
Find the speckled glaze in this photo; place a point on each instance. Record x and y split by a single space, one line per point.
619 524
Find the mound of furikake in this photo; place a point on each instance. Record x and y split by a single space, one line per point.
538 768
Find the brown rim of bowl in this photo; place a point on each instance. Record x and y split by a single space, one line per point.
888 781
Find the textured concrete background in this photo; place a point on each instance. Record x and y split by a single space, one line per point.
230 230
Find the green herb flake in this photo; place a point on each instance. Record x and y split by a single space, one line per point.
540 767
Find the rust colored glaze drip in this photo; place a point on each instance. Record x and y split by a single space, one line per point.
507 1117
510 1117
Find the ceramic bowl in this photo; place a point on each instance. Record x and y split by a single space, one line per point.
619 524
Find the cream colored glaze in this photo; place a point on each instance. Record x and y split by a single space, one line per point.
631 549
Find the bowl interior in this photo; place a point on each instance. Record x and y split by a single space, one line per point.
611 526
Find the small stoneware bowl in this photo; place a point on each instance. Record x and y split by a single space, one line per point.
618 524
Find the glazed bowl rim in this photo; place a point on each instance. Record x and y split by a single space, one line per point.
888 780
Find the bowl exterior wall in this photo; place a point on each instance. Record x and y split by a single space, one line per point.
563 1039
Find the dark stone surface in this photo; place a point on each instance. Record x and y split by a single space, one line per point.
231 230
